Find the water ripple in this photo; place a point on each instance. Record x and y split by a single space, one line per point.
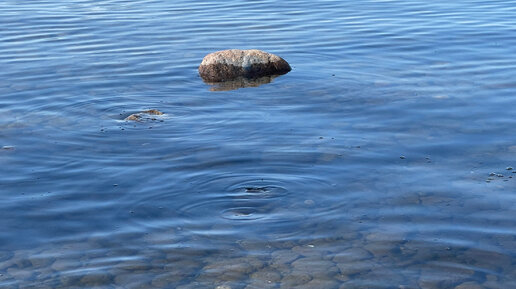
371 160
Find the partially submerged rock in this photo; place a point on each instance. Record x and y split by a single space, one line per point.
134 116
146 114
230 64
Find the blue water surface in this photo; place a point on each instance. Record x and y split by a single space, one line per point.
385 159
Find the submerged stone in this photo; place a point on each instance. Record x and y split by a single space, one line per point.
152 112
266 276
146 114
469 285
230 64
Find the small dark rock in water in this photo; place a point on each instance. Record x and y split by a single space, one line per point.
230 64
255 189
8 148
509 168
139 116
402 157
152 112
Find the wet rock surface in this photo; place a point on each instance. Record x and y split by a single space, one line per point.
144 115
231 64
504 176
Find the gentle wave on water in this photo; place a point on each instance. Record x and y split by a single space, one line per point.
384 159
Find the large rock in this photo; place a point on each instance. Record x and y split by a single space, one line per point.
230 64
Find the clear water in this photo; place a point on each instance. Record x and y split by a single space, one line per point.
367 166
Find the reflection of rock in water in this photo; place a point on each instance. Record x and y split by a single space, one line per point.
240 82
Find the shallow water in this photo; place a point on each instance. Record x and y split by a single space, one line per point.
382 160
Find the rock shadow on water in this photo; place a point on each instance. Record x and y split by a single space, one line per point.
240 82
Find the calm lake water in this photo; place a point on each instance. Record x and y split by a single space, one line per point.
382 160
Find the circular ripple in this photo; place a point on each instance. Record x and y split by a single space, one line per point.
257 190
242 214
226 207
207 198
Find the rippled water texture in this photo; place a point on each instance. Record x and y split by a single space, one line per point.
384 159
